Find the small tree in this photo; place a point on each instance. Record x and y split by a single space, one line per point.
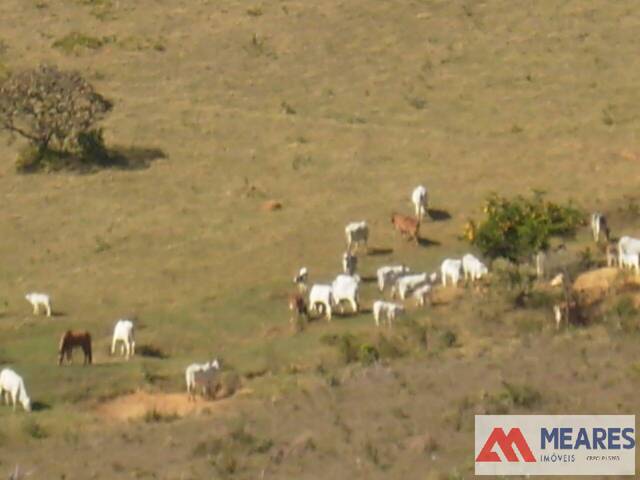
50 108
516 228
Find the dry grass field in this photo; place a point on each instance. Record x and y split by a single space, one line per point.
336 109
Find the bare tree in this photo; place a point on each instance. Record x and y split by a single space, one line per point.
50 107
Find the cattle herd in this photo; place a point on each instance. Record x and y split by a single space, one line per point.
399 280
321 299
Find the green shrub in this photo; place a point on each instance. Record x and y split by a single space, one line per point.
74 41
449 338
516 228
368 354
348 348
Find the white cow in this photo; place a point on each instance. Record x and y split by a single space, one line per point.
356 233
349 263
38 300
206 379
407 283
388 275
190 374
345 288
599 224
422 294
450 268
629 260
473 268
628 251
124 332
321 295
12 385
420 201
386 309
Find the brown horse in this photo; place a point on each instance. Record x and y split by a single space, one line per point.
70 340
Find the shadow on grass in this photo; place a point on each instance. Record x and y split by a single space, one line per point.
438 215
374 251
369 279
426 242
40 406
32 161
151 351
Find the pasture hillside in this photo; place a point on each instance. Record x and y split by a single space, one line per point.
336 109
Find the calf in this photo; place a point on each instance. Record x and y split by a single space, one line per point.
450 268
407 226
37 300
612 255
386 309
357 233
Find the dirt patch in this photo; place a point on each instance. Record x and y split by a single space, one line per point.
138 404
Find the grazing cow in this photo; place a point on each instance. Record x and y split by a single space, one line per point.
298 306
37 300
190 375
612 255
541 259
450 268
599 224
407 226
407 283
356 233
422 294
321 296
123 332
557 281
388 275
12 385
473 268
345 288
301 279
387 309
420 201
71 339
629 260
628 251
349 263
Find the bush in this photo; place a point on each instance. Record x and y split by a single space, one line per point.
517 228
368 354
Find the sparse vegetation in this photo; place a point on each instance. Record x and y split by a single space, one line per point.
33 429
76 42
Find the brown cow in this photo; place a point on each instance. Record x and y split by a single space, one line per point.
298 307
407 226
70 340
